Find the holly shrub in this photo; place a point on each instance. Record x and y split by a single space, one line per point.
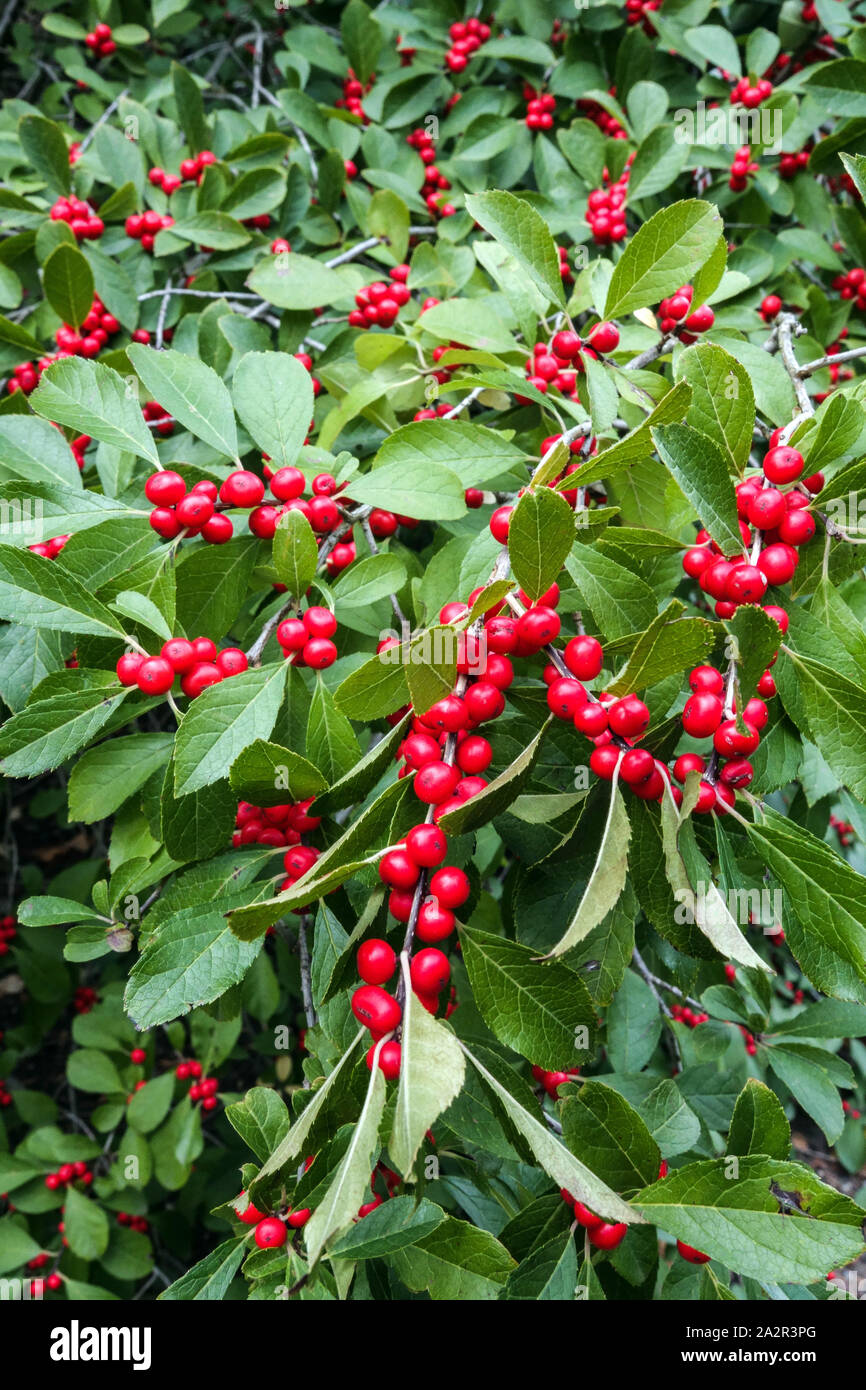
434 650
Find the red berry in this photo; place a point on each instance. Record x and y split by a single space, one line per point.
783 464
584 657
376 961
376 1009
127 668
429 971
450 887
164 489
389 1064
180 653
271 1233
426 845
155 675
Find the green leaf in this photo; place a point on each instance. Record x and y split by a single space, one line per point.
33 449
759 1125
701 471
295 1142
835 711
377 688
90 1070
47 732
298 282
431 666
540 536
106 776
423 489
212 584
273 396
664 253
190 107
499 794
39 592
754 640
92 399
143 612
517 226
541 1010
193 959
395 1224
670 644
455 1262
269 775
431 1077
68 284
839 86
549 1272
825 894
620 601
634 1025
214 229
476 454
296 554
610 1136
812 1077
149 1106
607 880
339 1206
566 1171
331 741
85 1225
209 1279
741 1222
223 721
693 887
261 1119
375 577
723 402
45 148
362 39
191 392
363 776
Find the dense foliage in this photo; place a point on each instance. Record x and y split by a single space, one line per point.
433 650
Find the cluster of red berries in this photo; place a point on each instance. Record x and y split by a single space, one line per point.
852 285
639 11
795 991
539 108
558 33
84 999
466 38
552 1080
154 413
203 1088
5 1098
683 1014
135 1223
288 486
38 1286
8 933
100 42
197 663
674 315
559 362
844 831
749 1040
299 859
850 1111
605 207
143 226
435 183
195 512
82 220
49 549
750 96
593 111
272 1232
88 341
742 166
69 1173
791 164
191 170
306 640
604 1235
353 91
273 825
379 304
